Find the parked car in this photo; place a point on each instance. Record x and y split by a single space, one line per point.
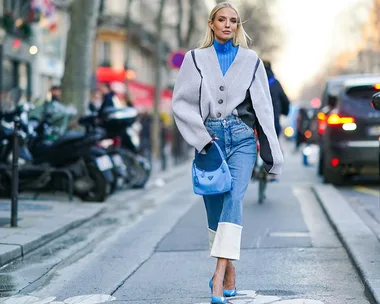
349 128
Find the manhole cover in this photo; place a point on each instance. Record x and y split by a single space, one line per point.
6 206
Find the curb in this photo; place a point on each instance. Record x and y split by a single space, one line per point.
10 251
361 244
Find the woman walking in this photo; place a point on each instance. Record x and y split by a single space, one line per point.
222 94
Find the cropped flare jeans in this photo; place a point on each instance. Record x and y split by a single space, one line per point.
224 211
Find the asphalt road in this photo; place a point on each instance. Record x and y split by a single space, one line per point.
155 250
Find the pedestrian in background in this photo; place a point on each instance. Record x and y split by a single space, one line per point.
280 100
110 99
96 99
217 99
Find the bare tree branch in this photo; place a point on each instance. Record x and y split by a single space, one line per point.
180 22
259 26
190 28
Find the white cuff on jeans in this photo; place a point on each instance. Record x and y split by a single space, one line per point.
227 241
211 237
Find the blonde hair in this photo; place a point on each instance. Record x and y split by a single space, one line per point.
240 37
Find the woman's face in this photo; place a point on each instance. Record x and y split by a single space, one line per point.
224 24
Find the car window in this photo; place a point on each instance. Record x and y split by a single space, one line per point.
362 92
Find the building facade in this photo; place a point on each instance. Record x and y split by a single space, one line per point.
50 36
16 49
129 56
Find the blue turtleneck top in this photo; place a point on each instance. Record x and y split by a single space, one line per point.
226 53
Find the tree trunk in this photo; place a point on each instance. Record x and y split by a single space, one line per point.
156 125
180 147
78 68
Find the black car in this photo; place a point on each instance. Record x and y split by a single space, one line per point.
349 128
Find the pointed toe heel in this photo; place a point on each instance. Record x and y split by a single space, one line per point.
229 292
218 300
226 292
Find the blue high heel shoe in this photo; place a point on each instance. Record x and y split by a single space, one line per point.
226 292
218 300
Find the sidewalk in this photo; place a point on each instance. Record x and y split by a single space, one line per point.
48 217
361 243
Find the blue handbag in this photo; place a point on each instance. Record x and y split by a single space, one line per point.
212 182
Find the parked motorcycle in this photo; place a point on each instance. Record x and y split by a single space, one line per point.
87 167
121 127
7 137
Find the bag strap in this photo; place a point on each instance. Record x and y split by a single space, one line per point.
220 150
254 72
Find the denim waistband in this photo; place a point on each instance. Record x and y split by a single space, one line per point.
226 121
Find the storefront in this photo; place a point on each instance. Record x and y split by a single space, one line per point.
15 68
142 95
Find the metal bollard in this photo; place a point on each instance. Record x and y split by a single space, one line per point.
15 172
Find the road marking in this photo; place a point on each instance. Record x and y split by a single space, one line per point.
251 297
243 297
290 234
86 299
368 191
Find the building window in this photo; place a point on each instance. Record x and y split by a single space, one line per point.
104 53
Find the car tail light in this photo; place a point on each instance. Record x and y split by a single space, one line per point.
335 162
335 119
377 86
321 122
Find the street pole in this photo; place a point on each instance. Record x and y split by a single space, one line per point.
128 39
15 177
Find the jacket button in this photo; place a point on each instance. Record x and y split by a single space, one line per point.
218 115
220 101
221 88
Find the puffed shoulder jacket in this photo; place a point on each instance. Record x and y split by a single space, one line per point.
202 92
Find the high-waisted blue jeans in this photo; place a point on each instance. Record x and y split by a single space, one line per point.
224 211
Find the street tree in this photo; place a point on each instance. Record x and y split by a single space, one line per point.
260 26
184 33
78 68
156 122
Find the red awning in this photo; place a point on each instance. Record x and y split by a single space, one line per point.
142 94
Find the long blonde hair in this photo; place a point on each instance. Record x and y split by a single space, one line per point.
240 37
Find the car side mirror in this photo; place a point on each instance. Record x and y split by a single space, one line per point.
376 101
